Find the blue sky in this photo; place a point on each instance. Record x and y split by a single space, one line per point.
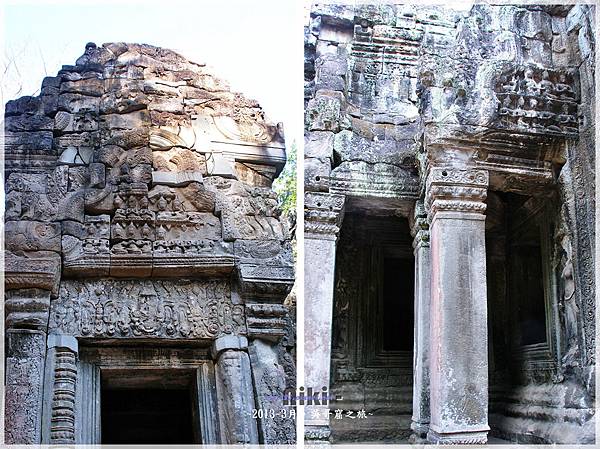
255 45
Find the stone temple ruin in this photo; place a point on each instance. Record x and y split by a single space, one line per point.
146 263
449 222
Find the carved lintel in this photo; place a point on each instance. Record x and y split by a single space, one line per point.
457 190
323 215
143 309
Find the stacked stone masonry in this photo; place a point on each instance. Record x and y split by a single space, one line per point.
474 132
139 209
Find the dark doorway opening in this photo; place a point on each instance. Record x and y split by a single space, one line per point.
398 304
146 416
528 291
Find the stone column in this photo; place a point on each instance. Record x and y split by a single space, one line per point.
266 277
25 356
59 395
26 326
234 391
323 217
458 347
30 279
420 233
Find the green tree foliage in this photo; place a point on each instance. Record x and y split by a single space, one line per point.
285 185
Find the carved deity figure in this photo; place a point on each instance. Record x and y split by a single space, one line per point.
546 86
530 85
566 120
505 109
568 306
562 89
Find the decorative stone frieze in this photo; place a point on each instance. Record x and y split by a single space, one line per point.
141 309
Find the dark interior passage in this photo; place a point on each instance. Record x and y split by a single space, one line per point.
398 304
146 416
528 290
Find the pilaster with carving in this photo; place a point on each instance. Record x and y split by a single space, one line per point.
458 318
266 277
323 218
26 311
420 233
234 391
59 397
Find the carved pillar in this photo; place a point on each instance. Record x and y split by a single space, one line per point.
323 217
25 355
234 391
266 276
458 348
26 324
420 233
59 397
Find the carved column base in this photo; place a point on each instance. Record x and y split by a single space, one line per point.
420 431
317 435
457 438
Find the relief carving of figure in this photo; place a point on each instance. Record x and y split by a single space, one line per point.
562 89
568 307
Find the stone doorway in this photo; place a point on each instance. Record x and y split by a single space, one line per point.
133 395
373 324
147 416
523 320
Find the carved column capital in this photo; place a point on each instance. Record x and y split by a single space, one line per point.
266 321
228 342
323 215
32 269
27 308
456 190
419 226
